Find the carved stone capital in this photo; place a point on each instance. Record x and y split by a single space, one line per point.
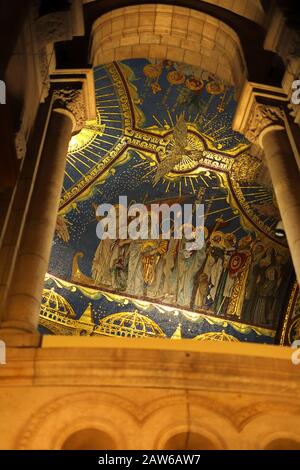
71 100
262 117
54 27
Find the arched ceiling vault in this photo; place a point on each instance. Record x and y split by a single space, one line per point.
169 33
263 66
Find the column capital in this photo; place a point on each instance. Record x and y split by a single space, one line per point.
261 119
71 100
260 109
73 93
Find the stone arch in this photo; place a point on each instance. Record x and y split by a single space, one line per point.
190 441
50 426
175 416
246 415
285 442
194 435
89 439
251 9
167 32
259 433
190 438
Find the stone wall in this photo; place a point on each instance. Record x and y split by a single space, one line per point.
172 33
148 394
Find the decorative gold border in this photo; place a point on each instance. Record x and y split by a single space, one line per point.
287 317
94 293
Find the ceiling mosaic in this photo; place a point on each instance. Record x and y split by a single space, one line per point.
238 287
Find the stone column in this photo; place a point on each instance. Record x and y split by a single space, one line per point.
24 297
13 226
266 127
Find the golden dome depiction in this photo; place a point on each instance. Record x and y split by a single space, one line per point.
216 336
55 304
130 324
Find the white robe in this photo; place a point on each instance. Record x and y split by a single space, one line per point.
101 272
135 282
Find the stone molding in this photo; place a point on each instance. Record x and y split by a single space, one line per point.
155 392
185 368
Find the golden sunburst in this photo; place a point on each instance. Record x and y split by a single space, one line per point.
87 135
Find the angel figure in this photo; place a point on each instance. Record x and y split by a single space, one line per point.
179 149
